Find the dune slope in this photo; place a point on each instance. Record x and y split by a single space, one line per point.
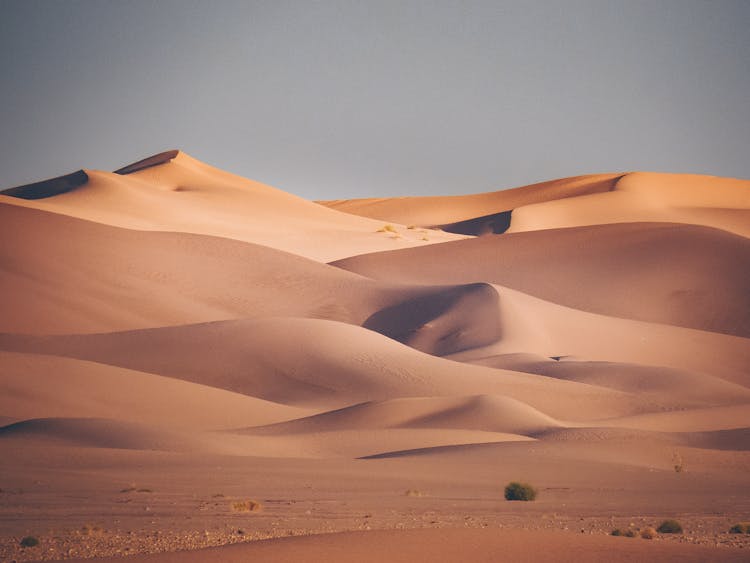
675 274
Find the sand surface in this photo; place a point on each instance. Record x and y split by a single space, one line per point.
177 341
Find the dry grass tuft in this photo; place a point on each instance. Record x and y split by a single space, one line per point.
247 506
387 229
414 493
91 530
648 533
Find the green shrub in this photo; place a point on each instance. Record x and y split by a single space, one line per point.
669 527
30 541
616 532
519 491
740 528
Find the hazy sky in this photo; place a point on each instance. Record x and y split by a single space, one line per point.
352 99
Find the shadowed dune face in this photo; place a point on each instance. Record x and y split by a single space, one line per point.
496 223
155 160
444 322
49 188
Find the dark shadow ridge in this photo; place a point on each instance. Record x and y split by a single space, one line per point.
496 223
49 188
155 160
444 321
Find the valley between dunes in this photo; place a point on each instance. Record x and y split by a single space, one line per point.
176 341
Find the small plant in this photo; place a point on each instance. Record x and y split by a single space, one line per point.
519 491
387 229
247 506
29 541
648 533
630 533
616 532
91 530
740 528
677 463
414 493
410 227
669 527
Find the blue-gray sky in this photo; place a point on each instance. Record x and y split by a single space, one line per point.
351 99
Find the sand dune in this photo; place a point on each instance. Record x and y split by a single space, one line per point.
535 326
183 194
304 362
97 433
173 323
80 276
135 279
675 274
481 412
664 384
444 210
690 420
35 386
722 203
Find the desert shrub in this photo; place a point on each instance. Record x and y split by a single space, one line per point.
616 532
30 541
519 491
740 528
669 527
630 533
247 506
648 533
414 493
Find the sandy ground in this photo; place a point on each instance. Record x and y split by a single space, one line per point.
181 368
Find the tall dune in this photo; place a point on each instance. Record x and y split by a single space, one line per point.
185 195
711 201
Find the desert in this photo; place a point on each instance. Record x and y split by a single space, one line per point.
196 366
